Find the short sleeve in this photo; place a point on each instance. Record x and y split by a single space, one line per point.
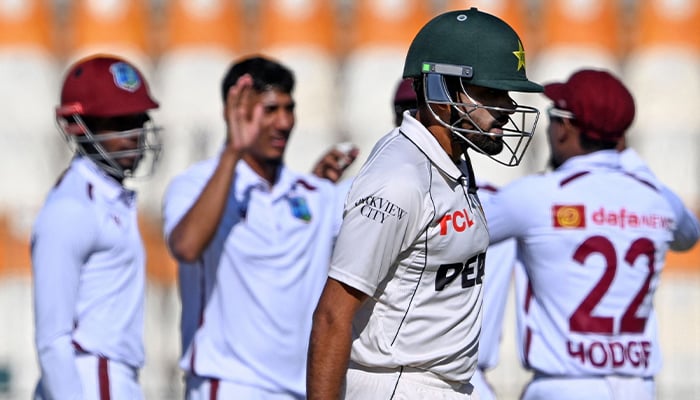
180 195
382 217
687 230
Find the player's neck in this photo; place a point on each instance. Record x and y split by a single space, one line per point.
266 169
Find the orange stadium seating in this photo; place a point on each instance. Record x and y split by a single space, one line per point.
347 56
344 53
105 26
31 152
197 44
378 36
304 35
514 12
663 69
572 35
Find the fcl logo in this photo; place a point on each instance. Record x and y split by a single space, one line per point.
569 216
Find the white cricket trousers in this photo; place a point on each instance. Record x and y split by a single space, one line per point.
103 379
199 388
594 388
364 383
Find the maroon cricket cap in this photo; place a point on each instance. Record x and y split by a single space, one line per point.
105 86
404 92
601 104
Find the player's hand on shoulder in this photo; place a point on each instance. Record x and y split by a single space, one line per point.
244 112
334 163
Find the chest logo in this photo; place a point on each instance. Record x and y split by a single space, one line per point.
459 221
300 208
471 272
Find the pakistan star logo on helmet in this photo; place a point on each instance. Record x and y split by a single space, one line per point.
520 55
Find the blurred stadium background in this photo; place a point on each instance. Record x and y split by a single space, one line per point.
348 57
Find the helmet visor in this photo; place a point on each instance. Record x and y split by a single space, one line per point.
515 133
142 157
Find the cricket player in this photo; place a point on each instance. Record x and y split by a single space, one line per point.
400 314
260 236
593 236
499 266
88 260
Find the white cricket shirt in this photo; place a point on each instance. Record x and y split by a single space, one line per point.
593 239
88 268
413 238
687 229
263 274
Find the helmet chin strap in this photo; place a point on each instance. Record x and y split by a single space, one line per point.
465 144
471 185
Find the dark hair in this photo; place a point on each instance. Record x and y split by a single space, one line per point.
267 74
419 89
590 145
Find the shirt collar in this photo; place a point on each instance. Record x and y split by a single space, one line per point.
597 159
246 178
428 144
104 184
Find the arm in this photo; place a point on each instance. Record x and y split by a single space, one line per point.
192 234
60 245
687 229
502 211
331 338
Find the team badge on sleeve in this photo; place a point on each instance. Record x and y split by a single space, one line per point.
569 216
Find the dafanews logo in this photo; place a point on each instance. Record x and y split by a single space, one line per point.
569 216
624 218
379 209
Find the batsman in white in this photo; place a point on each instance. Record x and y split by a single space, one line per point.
400 314
261 236
499 265
88 260
592 236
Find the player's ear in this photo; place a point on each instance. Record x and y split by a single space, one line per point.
570 131
442 110
559 132
570 126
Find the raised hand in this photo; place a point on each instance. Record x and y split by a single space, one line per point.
243 114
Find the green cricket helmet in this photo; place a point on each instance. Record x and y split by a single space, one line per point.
469 47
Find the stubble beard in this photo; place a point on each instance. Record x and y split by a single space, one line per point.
489 145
